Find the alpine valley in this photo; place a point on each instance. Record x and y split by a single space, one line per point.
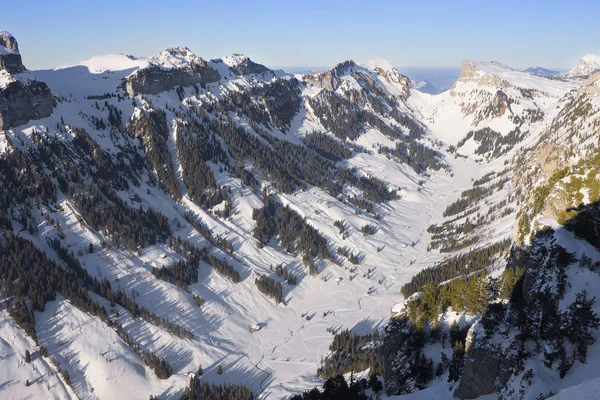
175 227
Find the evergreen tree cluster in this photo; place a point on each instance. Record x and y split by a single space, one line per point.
103 289
273 104
294 234
327 146
351 353
416 155
153 131
22 181
195 149
202 390
181 273
362 204
31 276
493 144
221 266
368 229
336 388
126 227
474 261
270 287
284 273
161 367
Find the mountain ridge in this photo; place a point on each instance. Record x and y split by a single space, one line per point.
232 219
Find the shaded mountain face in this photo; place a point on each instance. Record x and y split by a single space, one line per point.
225 219
543 71
10 58
21 97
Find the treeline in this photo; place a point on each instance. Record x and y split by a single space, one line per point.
474 261
348 121
362 204
471 196
284 273
270 287
336 388
290 166
327 146
295 235
351 353
98 163
21 180
126 227
221 266
273 104
31 276
195 147
416 155
202 390
492 143
104 289
152 130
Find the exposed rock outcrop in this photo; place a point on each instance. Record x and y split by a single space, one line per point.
485 371
245 66
330 79
588 65
21 102
171 68
21 98
10 58
470 72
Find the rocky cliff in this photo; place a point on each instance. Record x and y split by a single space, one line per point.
167 72
10 58
21 98
21 102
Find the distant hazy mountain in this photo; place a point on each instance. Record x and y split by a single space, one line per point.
541 71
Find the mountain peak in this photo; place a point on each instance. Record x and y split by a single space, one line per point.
379 64
588 64
241 64
176 57
10 58
476 69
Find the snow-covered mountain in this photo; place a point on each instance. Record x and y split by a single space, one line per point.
587 65
541 71
172 221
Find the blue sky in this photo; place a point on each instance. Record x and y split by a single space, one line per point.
310 33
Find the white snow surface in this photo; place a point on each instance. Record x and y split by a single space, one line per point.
114 62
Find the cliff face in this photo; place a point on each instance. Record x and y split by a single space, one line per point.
171 68
10 58
154 80
21 99
21 102
486 371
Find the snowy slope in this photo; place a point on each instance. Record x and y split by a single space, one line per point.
282 357
44 381
587 65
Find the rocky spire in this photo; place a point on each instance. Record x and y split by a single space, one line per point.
21 98
10 58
